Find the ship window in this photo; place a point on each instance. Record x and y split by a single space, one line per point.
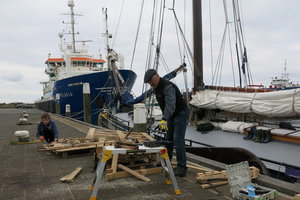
99 65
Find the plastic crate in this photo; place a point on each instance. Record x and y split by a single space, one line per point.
239 179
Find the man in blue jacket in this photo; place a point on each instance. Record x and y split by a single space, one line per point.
175 116
47 129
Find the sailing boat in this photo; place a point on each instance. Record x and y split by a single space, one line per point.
243 99
76 70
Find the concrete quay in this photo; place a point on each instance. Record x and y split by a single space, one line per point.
27 174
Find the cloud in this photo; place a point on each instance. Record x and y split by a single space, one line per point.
11 76
20 82
27 36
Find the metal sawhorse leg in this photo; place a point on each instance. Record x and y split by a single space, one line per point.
109 151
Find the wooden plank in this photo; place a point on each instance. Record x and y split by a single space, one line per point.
202 177
114 163
76 148
288 138
91 134
214 184
134 173
112 132
296 197
70 177
195 167
105 135
121 136
123 174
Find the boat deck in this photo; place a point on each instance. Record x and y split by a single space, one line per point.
27 174
279 151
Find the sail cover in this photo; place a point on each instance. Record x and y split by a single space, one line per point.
283 103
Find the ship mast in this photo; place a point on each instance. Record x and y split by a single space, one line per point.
71 5
198 45
107 35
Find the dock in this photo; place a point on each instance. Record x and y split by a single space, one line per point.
27 173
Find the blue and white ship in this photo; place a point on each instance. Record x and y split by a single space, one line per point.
108 82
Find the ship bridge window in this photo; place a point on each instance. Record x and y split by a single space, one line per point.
98 65
79 63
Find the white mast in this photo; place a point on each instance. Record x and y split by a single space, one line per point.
71 5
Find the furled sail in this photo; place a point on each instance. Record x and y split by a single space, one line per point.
284 103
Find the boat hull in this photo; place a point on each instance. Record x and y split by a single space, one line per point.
69 91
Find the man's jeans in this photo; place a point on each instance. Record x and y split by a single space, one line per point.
176 134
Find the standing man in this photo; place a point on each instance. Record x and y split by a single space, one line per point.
47 129
175 116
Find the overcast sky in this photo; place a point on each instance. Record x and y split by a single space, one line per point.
29 32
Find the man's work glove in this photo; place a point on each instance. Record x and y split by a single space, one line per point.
42 138
162 124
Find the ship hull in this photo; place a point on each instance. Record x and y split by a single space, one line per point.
69 91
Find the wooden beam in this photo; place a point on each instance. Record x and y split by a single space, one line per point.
111 176
70 177
121 136
213 175
91 134
114 163
134 173
214 184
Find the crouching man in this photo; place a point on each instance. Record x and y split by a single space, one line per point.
47 129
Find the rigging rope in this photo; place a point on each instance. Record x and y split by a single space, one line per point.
211 44
118 24
137 34
150 43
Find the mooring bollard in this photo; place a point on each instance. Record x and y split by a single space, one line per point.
68 110
87 103
57 104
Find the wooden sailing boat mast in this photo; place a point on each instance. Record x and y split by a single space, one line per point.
198 45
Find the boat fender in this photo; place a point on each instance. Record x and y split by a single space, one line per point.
22 133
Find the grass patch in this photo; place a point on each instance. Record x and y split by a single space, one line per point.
29 142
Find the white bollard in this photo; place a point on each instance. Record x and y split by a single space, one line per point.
22 135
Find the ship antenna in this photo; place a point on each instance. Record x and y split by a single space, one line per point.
60 35
285 75
71 5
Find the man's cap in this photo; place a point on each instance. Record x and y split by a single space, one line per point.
149 74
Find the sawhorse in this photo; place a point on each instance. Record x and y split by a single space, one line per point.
109 151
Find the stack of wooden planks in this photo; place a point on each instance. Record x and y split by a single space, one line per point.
121 165
215 178
97 138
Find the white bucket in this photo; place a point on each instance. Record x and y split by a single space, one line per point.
139 114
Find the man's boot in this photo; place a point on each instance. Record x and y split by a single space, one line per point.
268 137
263 136
258 136
178 171
252 132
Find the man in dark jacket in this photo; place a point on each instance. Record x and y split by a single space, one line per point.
47 129
175 116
